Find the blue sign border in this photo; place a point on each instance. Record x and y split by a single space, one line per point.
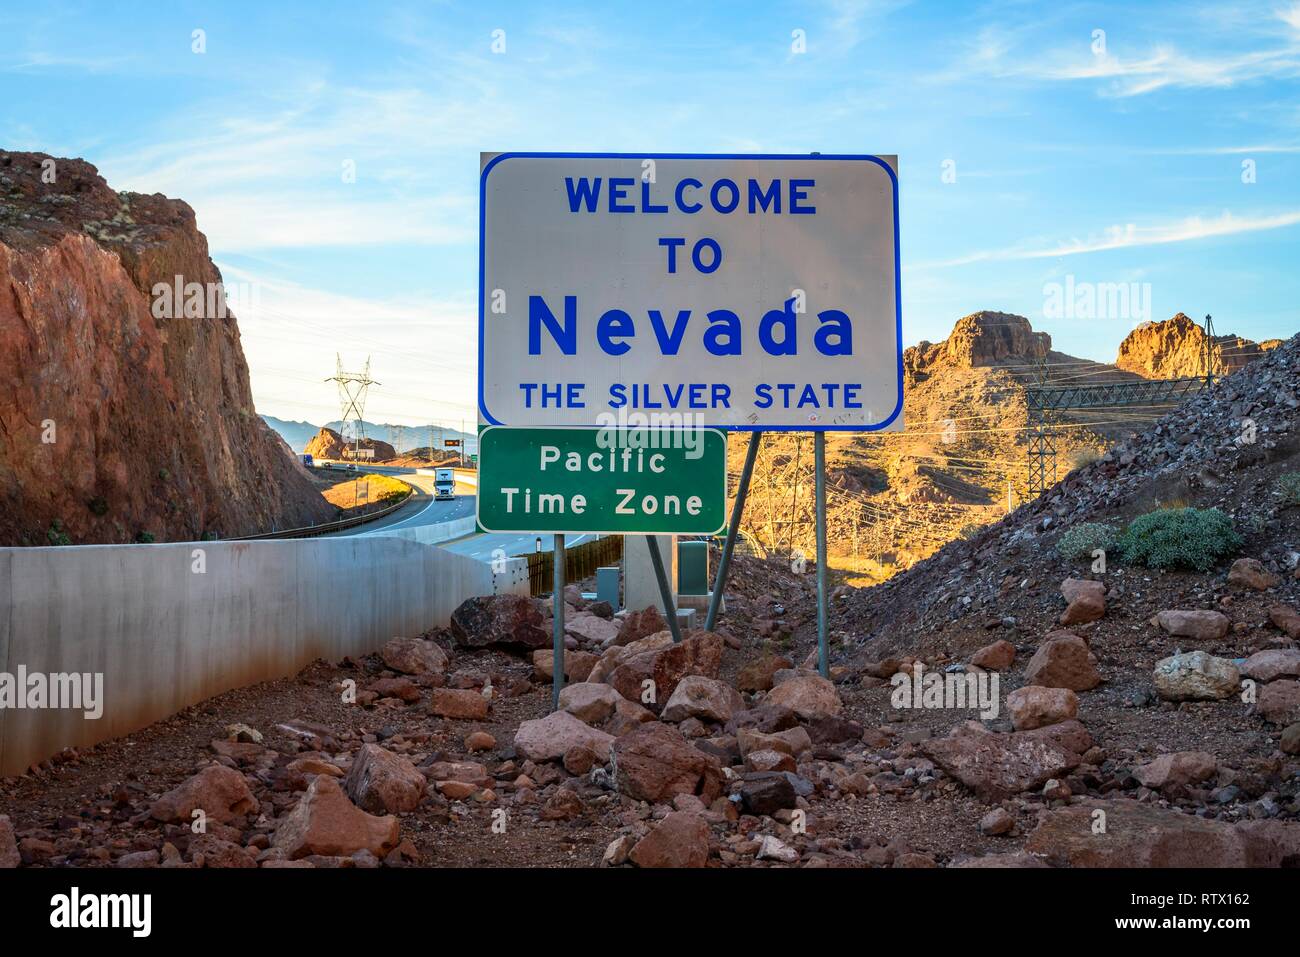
898 273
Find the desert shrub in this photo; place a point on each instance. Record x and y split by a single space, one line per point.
1078 458
144 538
98 506
1192 538
1085 538
55 535
1289 486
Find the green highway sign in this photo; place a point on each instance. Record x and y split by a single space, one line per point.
607 481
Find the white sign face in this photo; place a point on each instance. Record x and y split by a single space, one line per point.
736 292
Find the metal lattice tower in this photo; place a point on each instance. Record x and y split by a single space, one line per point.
352 399
1041 402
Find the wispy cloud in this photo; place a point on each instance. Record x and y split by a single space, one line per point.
1273 53
1129 235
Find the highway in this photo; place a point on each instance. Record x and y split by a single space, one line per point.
423 509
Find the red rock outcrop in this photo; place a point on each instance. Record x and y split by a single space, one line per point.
980 339
124 414
328 444
1176 347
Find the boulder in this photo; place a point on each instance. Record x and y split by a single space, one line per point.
764 760
1063 661
414 656
1272 664
512 620
382 782
464 704
765 793
1037 707
1194 623
640 624
656 763
995 657
1177 769
1143 835
794 742
9 856
1086 601
997 765
700 653
546 739
681 839
1290 741
997 822
1251 573
1196 676
222 794
808 696
577 664
1286 618
591 628
757 675
403 689
563 805
325 822
833 729
479 741
589 701
705 698
1279 702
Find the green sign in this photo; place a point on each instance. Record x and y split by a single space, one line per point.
575 480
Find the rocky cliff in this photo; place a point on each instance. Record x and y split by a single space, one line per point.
328 444
1176 347
980 339
125 411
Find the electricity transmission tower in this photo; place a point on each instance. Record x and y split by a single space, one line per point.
352 398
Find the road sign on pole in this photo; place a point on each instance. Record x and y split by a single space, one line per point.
741 292
580 481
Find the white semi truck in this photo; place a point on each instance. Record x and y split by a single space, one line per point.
444 484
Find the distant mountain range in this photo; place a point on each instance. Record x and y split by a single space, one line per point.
405 438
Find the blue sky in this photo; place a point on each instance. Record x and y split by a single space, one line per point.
1114 157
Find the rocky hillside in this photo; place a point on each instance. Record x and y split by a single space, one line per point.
328 444
1176 347
125 415
896 497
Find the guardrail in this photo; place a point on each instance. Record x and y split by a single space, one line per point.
311 531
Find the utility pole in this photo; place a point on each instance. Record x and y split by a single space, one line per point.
352 400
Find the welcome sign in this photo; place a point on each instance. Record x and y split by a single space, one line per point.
738 292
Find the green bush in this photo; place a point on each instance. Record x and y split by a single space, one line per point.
1084 539
1192 538
1289 486
55 535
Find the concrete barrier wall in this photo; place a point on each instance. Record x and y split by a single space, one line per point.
431 534
170 625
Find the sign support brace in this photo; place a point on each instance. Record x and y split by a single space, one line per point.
665 593
557 634
737 511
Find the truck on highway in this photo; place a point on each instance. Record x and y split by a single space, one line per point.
444 484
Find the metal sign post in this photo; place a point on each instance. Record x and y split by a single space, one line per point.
819 455
665 592
728 546
557 635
